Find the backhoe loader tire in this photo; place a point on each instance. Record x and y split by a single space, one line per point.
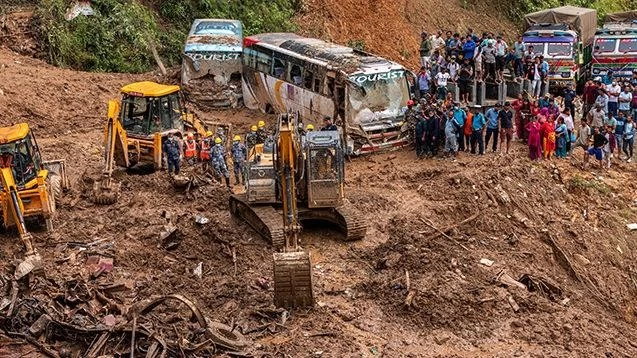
55 181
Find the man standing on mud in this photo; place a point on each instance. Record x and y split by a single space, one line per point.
431 133
506 126
425 49
172 150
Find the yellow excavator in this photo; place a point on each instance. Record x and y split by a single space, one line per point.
29 187
298 177
136 128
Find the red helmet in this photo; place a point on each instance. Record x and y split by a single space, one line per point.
410 103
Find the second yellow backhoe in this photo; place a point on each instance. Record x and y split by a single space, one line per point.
29 187
136 128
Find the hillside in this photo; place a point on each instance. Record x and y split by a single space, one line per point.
392 28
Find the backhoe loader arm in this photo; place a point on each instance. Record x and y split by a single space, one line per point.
115 140
16 208
115 151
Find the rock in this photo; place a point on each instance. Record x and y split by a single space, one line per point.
513 304
39 325
109 320
486 262
198 271
581 259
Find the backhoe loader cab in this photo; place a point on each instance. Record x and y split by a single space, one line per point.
148 108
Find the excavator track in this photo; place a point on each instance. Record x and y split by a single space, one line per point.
263 218
346 217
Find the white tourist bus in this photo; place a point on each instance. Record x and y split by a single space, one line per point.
365 95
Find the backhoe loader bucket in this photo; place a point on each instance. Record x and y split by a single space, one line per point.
293 280
106 192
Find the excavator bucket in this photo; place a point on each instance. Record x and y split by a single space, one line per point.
293 280
106 192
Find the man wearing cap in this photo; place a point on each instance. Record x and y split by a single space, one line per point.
505 118
478 124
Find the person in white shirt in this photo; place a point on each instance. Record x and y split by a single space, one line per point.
438 42
613 96
501 49
453 68
441 82
625 98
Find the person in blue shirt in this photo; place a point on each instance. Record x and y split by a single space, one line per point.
477 127
469 48
493 128
545 101
423 81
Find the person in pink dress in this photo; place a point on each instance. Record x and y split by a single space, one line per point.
533 140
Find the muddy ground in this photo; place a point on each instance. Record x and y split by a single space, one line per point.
563 227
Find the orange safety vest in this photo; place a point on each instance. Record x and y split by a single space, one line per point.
191 149
204 154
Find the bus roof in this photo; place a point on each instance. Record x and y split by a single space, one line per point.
341 57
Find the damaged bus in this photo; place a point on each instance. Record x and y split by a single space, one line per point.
364 94
211 66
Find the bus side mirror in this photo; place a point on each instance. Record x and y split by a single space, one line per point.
580 53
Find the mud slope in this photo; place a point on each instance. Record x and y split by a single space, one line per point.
392 28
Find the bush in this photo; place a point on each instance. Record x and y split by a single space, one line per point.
118 37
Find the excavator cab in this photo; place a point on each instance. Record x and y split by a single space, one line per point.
325 169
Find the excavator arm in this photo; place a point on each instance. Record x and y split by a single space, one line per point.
287 154
292 268
115 151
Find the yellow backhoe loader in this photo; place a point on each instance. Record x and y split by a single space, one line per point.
299 178
29 187
136 128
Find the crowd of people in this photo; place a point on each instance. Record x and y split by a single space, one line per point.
549 124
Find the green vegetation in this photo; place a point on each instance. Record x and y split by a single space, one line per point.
119 37
516 9
589 186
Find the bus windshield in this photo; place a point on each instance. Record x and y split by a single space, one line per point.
559 49
217 28
378 95
627 45
605 45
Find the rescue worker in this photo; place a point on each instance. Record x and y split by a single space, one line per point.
328 125
221 134
239 156
252 138
217 158
190 149
204 153
172 151
262 133
308 128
